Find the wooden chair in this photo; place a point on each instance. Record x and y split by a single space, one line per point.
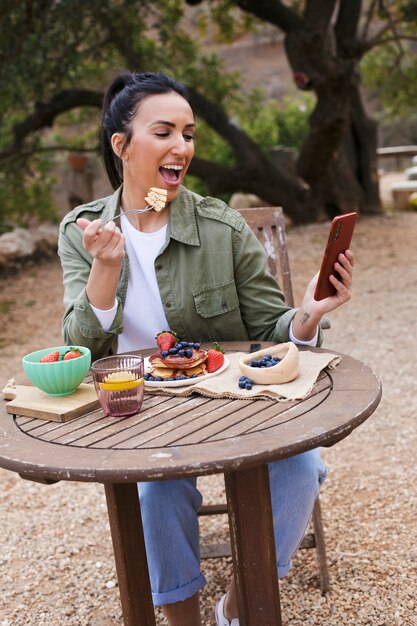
269 226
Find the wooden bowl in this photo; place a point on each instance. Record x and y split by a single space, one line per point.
283 372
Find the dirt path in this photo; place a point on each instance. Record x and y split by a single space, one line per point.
55 558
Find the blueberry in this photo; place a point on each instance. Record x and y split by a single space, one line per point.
158 378
165 353
173 350
151 378
147 376
169 379
242 384
189 353
184 344
248 386
193 376
242 378
196 345
254 363
181 352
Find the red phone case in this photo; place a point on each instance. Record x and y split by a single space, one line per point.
341 231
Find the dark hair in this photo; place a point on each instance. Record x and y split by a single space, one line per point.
121 102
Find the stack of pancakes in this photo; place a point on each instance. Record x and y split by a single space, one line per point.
173 366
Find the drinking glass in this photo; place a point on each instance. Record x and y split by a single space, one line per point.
119 384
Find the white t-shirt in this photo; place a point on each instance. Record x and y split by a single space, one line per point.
143 313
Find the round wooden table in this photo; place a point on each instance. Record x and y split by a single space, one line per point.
174 437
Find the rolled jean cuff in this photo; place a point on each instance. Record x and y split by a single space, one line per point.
180 594
323 476
284 569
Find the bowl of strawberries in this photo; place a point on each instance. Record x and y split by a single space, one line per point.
57 371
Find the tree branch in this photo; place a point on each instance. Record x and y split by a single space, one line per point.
270 182
346 28
368 20
46 112
318 14
275 13
381 41
245 149
25 154
391 25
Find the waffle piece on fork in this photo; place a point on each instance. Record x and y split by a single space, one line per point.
157 198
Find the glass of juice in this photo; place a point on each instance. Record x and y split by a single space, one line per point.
119 384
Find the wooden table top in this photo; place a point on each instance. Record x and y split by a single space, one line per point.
174 437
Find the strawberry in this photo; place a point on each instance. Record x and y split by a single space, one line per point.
72 353
166 339
215 358
50 358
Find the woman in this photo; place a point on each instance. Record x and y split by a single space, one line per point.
196 268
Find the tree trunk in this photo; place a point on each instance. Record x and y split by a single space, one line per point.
364 130
338 159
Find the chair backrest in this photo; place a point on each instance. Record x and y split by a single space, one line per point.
268 224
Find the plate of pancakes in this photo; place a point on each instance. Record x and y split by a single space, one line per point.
176 371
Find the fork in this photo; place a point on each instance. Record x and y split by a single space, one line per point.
147 208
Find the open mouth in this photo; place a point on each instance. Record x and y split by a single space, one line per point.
171 173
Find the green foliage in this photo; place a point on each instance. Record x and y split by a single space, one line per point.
223 22
393 78
48 46
231 22
390 69
74 43
26 192
292 119
257 116
77 129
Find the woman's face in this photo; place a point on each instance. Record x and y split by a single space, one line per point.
161 146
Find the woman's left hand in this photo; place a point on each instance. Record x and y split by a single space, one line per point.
311 311
344 267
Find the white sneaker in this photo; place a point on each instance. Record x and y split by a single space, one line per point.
221 620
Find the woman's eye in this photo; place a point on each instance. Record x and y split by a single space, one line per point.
188 137
162 134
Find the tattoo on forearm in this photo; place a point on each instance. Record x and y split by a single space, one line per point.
305 318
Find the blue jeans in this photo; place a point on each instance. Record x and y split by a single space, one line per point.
169 513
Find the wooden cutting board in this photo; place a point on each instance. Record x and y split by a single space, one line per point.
32 402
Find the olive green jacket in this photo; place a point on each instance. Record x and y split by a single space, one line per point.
212 275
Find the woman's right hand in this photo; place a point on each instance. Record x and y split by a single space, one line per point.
106 244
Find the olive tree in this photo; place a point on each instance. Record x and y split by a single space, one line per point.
56 56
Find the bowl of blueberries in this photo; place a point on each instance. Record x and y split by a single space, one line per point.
271 366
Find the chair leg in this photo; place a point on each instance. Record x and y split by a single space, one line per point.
320 548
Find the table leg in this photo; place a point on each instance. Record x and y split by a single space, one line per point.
129 553
253 546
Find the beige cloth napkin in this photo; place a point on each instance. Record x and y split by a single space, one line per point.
225 385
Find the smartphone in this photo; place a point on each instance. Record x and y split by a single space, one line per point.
341 231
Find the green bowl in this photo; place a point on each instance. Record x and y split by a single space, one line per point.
59 378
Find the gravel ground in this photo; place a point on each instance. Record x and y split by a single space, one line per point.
56 559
